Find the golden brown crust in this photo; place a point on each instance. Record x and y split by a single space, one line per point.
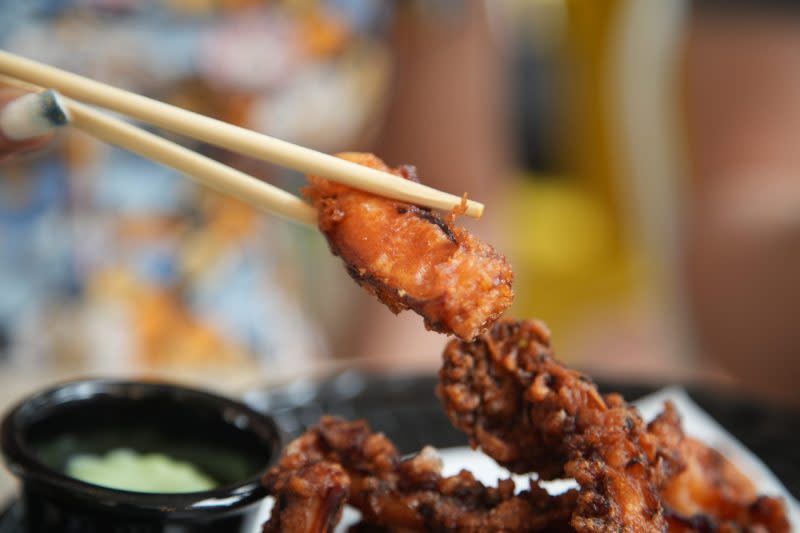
310 492
483 397
663 445
711 494
531 414
701 490
764 515
410 258
410 494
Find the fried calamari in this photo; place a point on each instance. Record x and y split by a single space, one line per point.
706 492
531 414
310 495
399 494
411 258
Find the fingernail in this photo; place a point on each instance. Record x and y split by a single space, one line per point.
33 115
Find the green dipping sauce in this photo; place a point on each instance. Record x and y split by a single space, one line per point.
126 469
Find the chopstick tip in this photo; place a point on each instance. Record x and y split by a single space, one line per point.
475 210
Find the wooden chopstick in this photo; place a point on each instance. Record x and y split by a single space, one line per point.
232 137
211 173
198 167
202 169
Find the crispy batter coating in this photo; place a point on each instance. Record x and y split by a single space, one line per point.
310 492
310 498
485 387
407 494
663 445
703 491
411 258
531 414
763 515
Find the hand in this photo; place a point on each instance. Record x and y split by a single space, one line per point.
10 142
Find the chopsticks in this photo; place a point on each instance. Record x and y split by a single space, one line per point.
205 170
219 133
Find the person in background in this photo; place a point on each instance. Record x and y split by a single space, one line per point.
684 121
742 90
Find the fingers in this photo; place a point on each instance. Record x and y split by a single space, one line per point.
27 120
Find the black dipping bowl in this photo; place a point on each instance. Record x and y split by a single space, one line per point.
225 439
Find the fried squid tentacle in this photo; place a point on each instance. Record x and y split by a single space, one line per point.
765 514
663 444
485 387
531 414
309 491
703 491
410 258
396 494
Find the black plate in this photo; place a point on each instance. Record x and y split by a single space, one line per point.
407 410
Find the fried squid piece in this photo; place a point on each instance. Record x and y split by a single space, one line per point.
310 492
407 494
663 445
702 491
411 258
764 515
531 414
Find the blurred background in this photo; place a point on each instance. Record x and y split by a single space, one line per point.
638 160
